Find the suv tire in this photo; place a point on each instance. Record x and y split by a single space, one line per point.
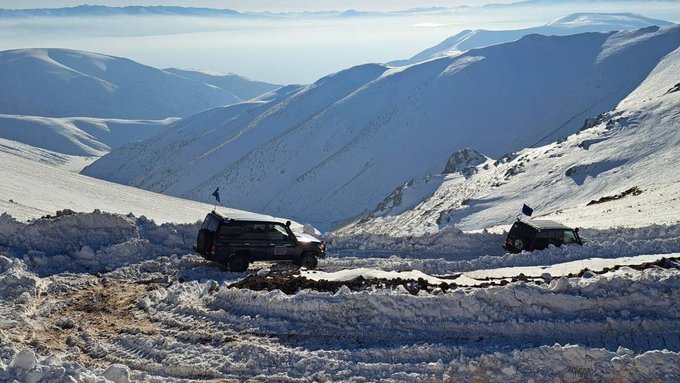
238 263
308 261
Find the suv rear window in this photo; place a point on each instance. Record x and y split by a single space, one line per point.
521 230
210 223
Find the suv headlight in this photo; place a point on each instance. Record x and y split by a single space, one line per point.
322 247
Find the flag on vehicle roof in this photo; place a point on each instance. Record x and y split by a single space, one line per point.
526 210
216 194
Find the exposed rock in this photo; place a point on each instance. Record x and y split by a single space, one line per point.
674 89
632 191
593 122
465 161
118 373
25 359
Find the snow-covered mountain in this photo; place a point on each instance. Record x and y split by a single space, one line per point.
334 149
66 83
77 136
239 86
620 169
568 25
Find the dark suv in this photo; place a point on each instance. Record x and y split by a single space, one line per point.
238 242
538 234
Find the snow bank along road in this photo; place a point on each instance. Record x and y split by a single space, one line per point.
119 298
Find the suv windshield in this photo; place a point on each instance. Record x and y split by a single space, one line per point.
569 237
278 233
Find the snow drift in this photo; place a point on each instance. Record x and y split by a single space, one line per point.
91 242
96 296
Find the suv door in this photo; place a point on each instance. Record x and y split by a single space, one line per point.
254 241
542 240
206 235
281 244
228 240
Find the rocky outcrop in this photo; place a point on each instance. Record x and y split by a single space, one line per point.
465 161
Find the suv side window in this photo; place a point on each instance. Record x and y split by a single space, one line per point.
254 231
230 232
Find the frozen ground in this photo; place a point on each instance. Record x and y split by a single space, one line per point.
119 298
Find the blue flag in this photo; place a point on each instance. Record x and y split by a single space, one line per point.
216 194
526 210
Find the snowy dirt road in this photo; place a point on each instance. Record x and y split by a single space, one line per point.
179 318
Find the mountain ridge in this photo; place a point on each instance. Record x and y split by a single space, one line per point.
56 82
570 24
619 164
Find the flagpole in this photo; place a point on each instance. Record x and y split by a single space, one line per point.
216 194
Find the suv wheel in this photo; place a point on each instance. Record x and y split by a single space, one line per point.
238 263
308 261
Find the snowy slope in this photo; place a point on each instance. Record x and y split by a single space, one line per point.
241 87
568 25
64 83
336 148
33 187
620 170
44 156
79 136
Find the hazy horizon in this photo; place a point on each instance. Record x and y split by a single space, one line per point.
296 49
262 5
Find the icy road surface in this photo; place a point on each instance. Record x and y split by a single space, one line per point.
110 302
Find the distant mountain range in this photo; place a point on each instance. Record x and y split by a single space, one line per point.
67 83
163 10
333 150
101 10
569 25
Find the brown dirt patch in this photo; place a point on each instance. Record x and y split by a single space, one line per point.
72 321
291 283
